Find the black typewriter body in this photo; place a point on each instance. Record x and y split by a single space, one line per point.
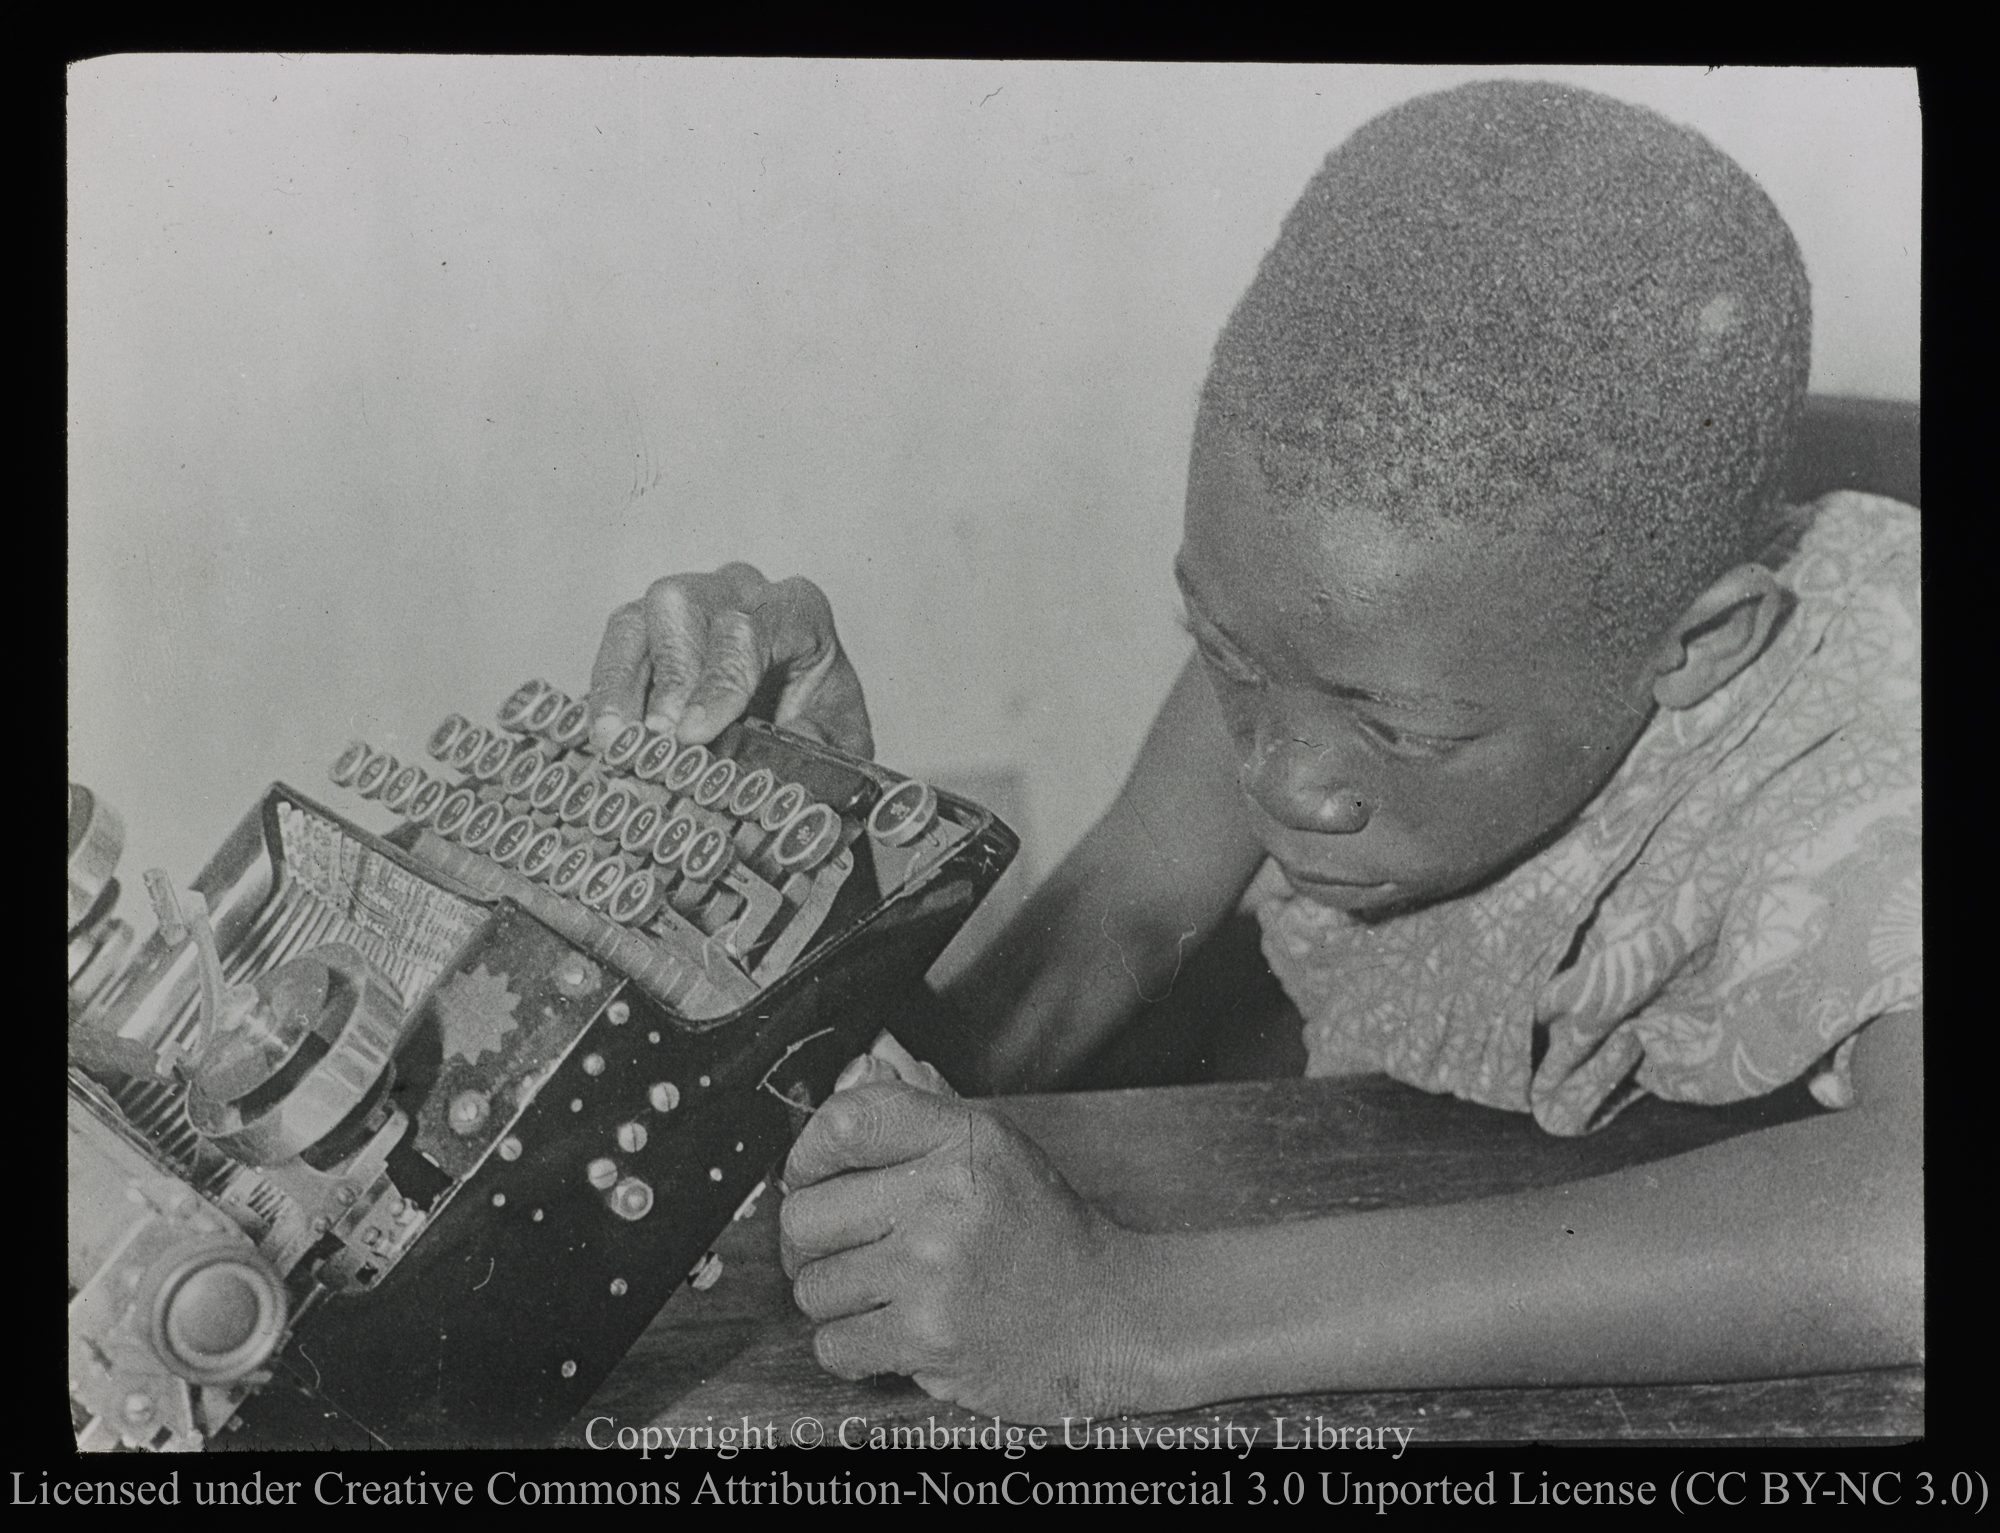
439 1137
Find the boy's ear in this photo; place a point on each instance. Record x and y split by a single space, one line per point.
1720 632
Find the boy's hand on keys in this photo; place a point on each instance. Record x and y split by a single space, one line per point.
929 1237
689 656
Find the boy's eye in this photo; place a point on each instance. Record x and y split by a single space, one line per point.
1226 662
1410 743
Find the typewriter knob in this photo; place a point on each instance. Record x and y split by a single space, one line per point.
217 1309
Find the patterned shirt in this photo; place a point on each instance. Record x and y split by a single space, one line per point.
1740 898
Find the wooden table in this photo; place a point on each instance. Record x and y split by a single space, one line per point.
1206 1157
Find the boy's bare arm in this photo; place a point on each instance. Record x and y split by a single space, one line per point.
968 1262
1112 925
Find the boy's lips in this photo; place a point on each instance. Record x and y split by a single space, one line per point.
1307 883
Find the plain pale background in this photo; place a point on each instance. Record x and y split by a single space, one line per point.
390 377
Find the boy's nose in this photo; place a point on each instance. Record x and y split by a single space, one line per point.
1301 786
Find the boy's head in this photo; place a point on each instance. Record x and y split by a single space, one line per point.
1521 372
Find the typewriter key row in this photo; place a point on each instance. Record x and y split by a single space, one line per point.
682 842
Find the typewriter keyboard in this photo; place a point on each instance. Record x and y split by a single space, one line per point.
703 872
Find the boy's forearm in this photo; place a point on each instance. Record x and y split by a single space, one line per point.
1792 1250
1111 925
1065 977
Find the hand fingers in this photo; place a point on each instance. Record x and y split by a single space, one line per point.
879 1124
734 662
864 1068
782 632
618 678
879 1341
887 1051
679 614
845 1283
840 1214
821 690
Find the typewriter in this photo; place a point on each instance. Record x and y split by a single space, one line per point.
403 1140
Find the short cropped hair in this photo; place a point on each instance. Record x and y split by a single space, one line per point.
1526 307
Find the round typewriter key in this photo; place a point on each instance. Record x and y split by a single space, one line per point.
903 814
674 837
481 826
655 756
454 812
551 787
541 852
576 862
601 882
809 839
523 772
749 794
424 803
512 840
637 898
687 768
521 703
380 768
608 817
782 806
402 787
641 828
548 708
446 735
494 759
715 783
348 764
580 800
571 725
631 740
466 748
707 855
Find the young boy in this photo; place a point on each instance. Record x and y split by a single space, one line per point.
1560 763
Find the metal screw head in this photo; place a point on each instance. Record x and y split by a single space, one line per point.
618 1288
510 1148
575 975
664 1095
345 1195
569 1370
469 1110
499 1200
602 1172
619 1013
593 1064
631 1199
632 1137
